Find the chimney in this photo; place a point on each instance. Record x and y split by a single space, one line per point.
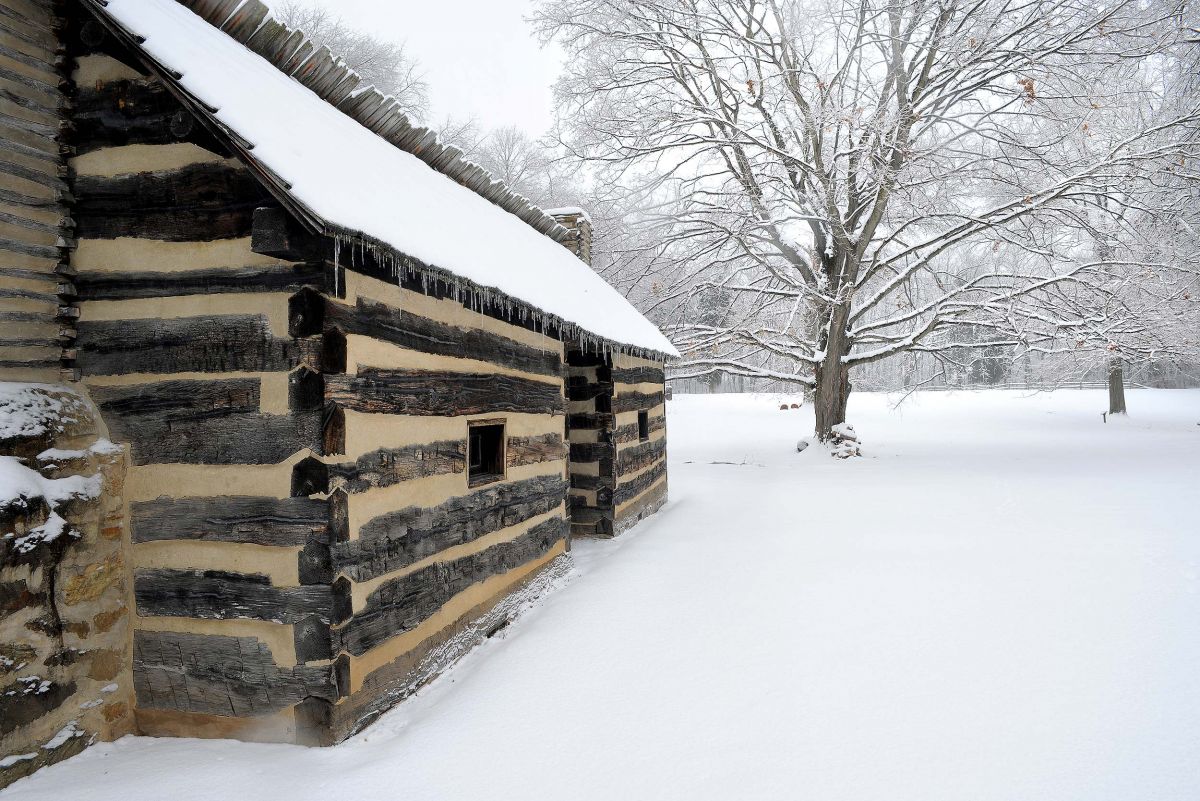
577 221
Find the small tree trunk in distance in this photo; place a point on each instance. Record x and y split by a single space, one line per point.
1116 387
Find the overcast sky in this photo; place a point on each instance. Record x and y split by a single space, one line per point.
479 56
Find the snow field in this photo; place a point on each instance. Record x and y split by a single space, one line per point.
999 601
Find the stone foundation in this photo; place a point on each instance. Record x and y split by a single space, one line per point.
64 638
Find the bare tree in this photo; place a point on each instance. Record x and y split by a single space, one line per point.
381 63
866 177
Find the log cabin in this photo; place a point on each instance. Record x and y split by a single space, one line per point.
367 393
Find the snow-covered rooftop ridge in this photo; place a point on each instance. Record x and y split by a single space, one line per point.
297 116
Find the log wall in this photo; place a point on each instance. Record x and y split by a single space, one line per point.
184 346
418 553
640 465
37 309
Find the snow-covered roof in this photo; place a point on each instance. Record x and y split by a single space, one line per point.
353 180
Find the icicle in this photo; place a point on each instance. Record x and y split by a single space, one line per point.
337 251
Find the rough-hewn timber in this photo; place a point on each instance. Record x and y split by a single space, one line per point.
220 675
634 401
412 331
217 344
629 490
221 595
198 202
632 459
135 112
400 605
535 449
127 285
443 394
231 518
388 466
204 422
401 538
638 375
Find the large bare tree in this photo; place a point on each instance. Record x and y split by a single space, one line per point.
861 178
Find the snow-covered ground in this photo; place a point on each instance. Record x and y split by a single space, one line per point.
1001 600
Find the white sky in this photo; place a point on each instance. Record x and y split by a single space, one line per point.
479 57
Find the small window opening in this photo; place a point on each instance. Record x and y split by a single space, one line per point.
485 445
643 426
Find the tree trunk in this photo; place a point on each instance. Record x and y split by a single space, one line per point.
1116 387
832 388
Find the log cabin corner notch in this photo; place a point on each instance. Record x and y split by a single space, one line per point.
356 434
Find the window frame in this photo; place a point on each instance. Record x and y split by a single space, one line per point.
643 423
478 476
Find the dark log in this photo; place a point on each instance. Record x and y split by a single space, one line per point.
221 595
231 518
218 344
585 391
388 466
409 330
579 358
306 313
635 401
634 458
629 490
220 675
587 481
198 202
312 640
646 504
442 394
590 420
315 563
629 433
309 477
638 375
400 605
534 449
204 422
135 112
276 233
122 286
591 451
398 539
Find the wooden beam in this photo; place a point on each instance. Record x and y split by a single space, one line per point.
125 285
630 460
409 330
231 518
138 111
389 466
401 604
199 202
636 401
636 486
398 539
214 344
535 449
204 422
220 675
442 394
221 595
638 375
